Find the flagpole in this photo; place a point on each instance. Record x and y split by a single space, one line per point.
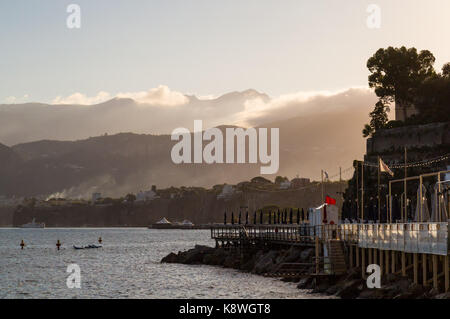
362 191
357 188
340 191
405 202
379 198
323 200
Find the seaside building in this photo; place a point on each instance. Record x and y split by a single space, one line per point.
227 192
260 180
300 182
285 184
404 111
186 223
96 196
143 196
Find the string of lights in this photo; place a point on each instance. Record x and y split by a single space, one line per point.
415 164
350 169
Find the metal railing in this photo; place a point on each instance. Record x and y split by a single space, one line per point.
427 238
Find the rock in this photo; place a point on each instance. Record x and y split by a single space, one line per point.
347 286
432 293
249 264
202 248
350 289
442 296
305 283
389 278
216 257
332 290
294 255
415 291
192 257
170 258
281 257
321 285
231 262
367 294
354 273
306 254
265 263
208 259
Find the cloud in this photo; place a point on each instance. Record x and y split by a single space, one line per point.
13 99
82 99
161 95
257 111
10 99
161 110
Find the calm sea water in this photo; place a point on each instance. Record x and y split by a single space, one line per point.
128 266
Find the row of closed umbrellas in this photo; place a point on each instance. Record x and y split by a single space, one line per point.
276 217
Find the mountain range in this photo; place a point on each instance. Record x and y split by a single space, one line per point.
122 146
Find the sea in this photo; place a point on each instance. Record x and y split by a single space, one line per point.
127 266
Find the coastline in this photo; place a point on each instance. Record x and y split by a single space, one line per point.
266 262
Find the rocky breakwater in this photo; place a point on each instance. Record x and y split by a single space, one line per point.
267 262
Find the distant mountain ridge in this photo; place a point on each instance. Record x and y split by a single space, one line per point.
326 137
21 123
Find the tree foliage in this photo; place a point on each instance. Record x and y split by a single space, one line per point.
446 70
378 119
433 100
397 72
403 75
130 198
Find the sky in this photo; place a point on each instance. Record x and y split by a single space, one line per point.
204 47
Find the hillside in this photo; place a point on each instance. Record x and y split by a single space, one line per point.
315 134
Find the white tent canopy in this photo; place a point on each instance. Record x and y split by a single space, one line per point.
163 221
187 223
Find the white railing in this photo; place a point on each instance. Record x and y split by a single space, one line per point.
426 238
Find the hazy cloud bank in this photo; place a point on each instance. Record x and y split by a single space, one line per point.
160 110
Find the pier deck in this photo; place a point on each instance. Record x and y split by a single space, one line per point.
419 250
426 238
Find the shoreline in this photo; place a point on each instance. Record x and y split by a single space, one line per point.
266 262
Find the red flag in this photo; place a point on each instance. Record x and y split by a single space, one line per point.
330 201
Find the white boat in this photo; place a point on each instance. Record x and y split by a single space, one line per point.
33 224
87 247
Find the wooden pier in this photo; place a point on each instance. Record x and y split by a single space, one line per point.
419 250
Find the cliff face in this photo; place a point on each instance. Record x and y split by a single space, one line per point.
423 142
391 142
199 207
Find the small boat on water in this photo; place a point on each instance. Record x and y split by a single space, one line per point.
164 223
33 224
87 247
